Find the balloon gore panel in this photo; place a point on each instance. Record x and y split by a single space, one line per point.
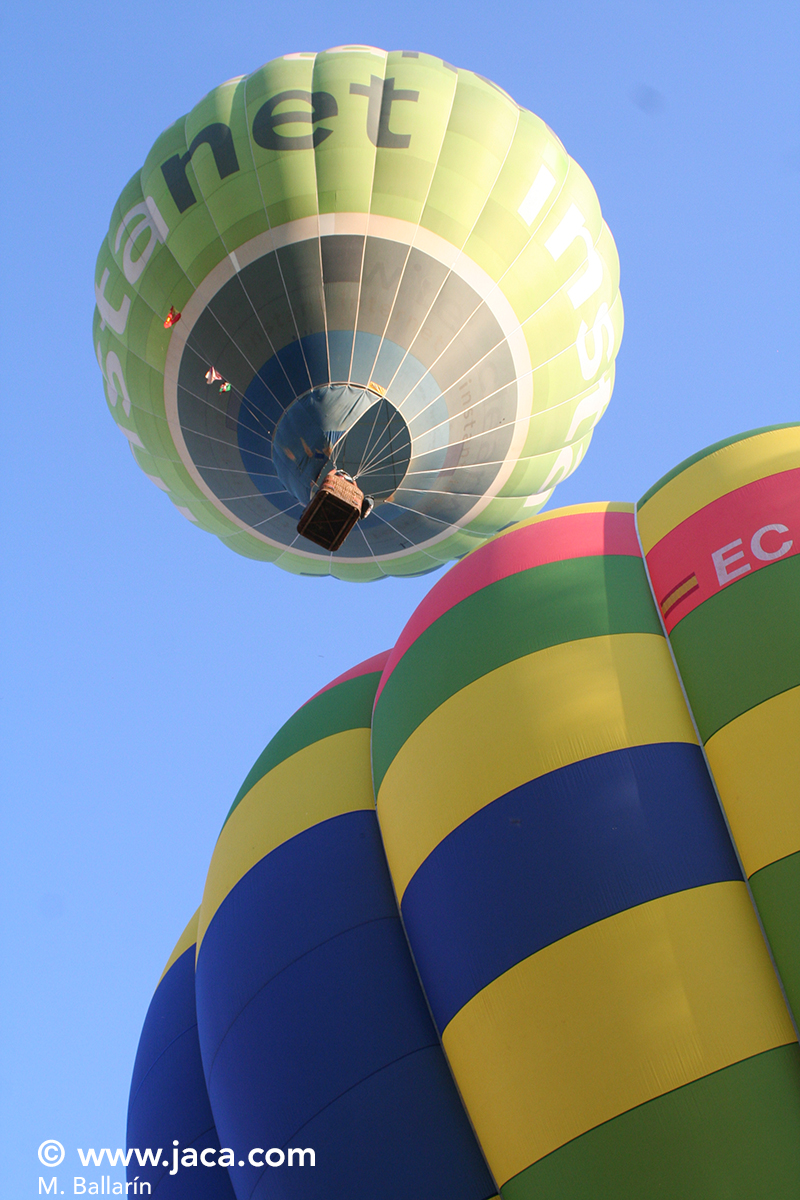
314 1029
168 1097
722 538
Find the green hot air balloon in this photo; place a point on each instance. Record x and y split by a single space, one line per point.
358 266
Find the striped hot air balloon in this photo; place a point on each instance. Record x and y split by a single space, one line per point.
549 842
396 271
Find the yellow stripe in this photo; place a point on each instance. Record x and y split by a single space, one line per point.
611 1017
534 715
321 781
572 509
569 511
187 939
755 761
716 475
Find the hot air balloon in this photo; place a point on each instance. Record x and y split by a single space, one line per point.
537 966
571 895
168 1099
315 1034
721 534
405 284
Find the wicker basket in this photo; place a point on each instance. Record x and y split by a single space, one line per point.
333 511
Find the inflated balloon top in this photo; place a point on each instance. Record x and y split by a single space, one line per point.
363 291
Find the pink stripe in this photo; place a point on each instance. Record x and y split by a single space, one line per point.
738 533
376 663
575 535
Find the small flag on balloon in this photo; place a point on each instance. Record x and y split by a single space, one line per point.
172 317
224 386
212 375
681 590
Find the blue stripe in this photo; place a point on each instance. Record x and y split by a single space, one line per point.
170 1014
411 1146
557 854
326 880
168 1093
308 1004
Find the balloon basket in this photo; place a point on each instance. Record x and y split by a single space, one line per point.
333 511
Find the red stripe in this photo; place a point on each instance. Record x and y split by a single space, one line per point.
576 535
376 663
740 517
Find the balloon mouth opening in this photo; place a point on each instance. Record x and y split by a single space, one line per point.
432 451
347 427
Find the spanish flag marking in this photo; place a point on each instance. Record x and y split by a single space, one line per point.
678 593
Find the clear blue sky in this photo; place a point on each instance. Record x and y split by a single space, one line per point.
145 665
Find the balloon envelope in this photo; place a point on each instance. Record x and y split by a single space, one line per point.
573 899
364 260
